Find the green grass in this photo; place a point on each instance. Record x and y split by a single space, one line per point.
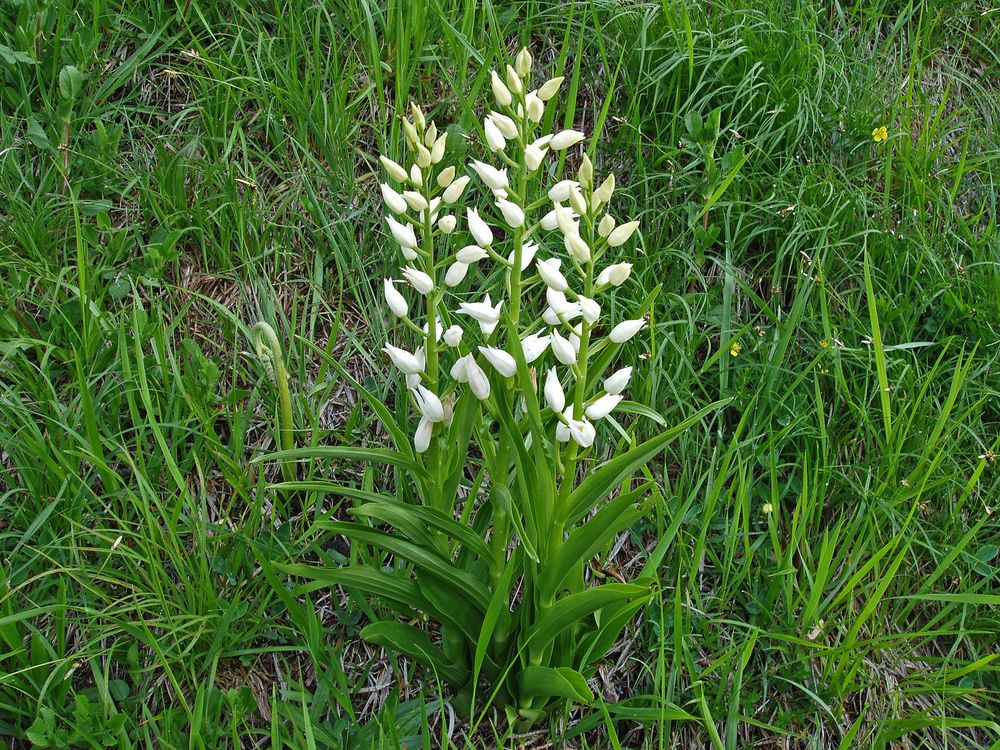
218 169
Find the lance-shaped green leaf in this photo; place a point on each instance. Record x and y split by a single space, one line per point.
571 610
415 520
558 682
593 646
417 645
346 453
598 484
585 541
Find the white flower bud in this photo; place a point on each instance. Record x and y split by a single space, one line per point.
559 192
533 156
453 336
618 381
393 200
418 115
394 170
412 138
562 348
603 406
500 92
565 221
577 248
534 107
550 220
415 177
586 172
504 124
618 273
495 179
577 201
626 330
438 330
606 224
550 88
456 274
606 190
429 404
445 177
522 63
502 361
480 230
479 384
554 396
566 138
447 224
590 308
551 275
514 81
402 233
471 254
422 437
533 346
437 150
423 156
419 280
407 363
408 253
454 190
512 213
494 138
396 301
415 200
430 135
460 370
621 233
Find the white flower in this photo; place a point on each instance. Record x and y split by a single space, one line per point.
543 142
606 225
562 432
429 404
409 253
534 107
494 138
566 138
415 177
415 200
418 115
514 81
422 437
626 330
564 220
533 346
480 230
590 309
437 150
479 384
446 176
447 224
528 250
433 209
562 348
550 220
621 233
615 275
438 330
551 275
522 63
460 370
495 179
561 190
453 337
395 171
605 191
485 313
577 201
395 300
618 381
456 273
533 156
408 364
554 395
392 199
576 247
402 233
501 360
420 280
471 254
455 189
603 406
582 432
549 88
500 92
423 156
512 213
504 124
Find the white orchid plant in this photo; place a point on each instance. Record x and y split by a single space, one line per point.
487 569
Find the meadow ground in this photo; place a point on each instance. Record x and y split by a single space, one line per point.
174 172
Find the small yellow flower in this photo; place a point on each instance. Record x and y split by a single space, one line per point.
735 349
824 343
880 134
767 508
